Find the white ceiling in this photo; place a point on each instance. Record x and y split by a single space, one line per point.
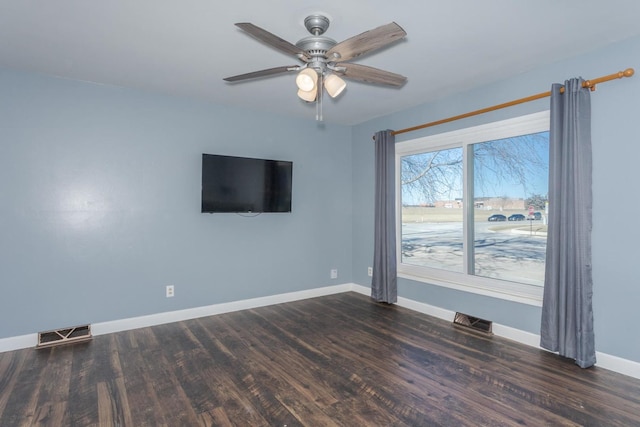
186 47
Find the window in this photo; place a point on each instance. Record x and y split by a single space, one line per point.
472 208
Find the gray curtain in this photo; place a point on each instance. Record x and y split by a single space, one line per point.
567 313
384 283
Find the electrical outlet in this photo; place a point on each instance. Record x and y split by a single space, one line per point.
334 273
170 292
370 271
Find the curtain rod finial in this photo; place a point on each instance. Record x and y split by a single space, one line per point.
628 72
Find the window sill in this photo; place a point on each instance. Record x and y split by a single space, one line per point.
510 291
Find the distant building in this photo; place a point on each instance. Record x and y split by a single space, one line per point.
486 203
449 204
499 203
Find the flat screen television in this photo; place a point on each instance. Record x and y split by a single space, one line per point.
241 184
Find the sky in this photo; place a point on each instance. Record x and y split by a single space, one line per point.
514 167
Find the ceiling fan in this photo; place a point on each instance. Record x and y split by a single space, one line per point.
324 60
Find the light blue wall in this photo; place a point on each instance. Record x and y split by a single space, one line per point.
99 201
100 205
616 150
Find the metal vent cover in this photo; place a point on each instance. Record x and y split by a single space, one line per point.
64 336
473 323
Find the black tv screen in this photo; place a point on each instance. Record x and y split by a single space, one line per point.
241 184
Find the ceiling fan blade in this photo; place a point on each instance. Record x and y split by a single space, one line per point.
366 42
262 73
273 40
371 75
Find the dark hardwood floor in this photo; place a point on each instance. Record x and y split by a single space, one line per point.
339 360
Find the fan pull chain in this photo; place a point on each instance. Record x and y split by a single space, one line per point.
319 97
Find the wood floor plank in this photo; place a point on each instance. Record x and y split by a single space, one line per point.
143 403
253 374
384 365
338 360
21 406
172 400
89 367
216 417
119 402
51 408
556 399
294 398
11 365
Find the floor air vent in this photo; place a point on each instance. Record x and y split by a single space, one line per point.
64 336
473 323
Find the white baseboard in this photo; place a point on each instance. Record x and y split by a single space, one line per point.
16 343
618 364
606 361
102 328
210 310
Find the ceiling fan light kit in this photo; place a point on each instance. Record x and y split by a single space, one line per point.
308 96
325 60
334 85
307 79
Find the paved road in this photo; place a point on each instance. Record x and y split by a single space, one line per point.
499 253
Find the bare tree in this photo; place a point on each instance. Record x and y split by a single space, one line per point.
437 175
538 201
434 175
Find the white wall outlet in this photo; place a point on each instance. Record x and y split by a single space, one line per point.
334 273
170 292
370 271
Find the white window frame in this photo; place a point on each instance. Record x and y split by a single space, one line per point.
464 138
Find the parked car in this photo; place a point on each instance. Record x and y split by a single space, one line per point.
516 217
497 217
536 215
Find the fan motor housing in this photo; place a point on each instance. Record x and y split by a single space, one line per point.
316 45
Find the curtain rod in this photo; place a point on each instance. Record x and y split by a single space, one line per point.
591 84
